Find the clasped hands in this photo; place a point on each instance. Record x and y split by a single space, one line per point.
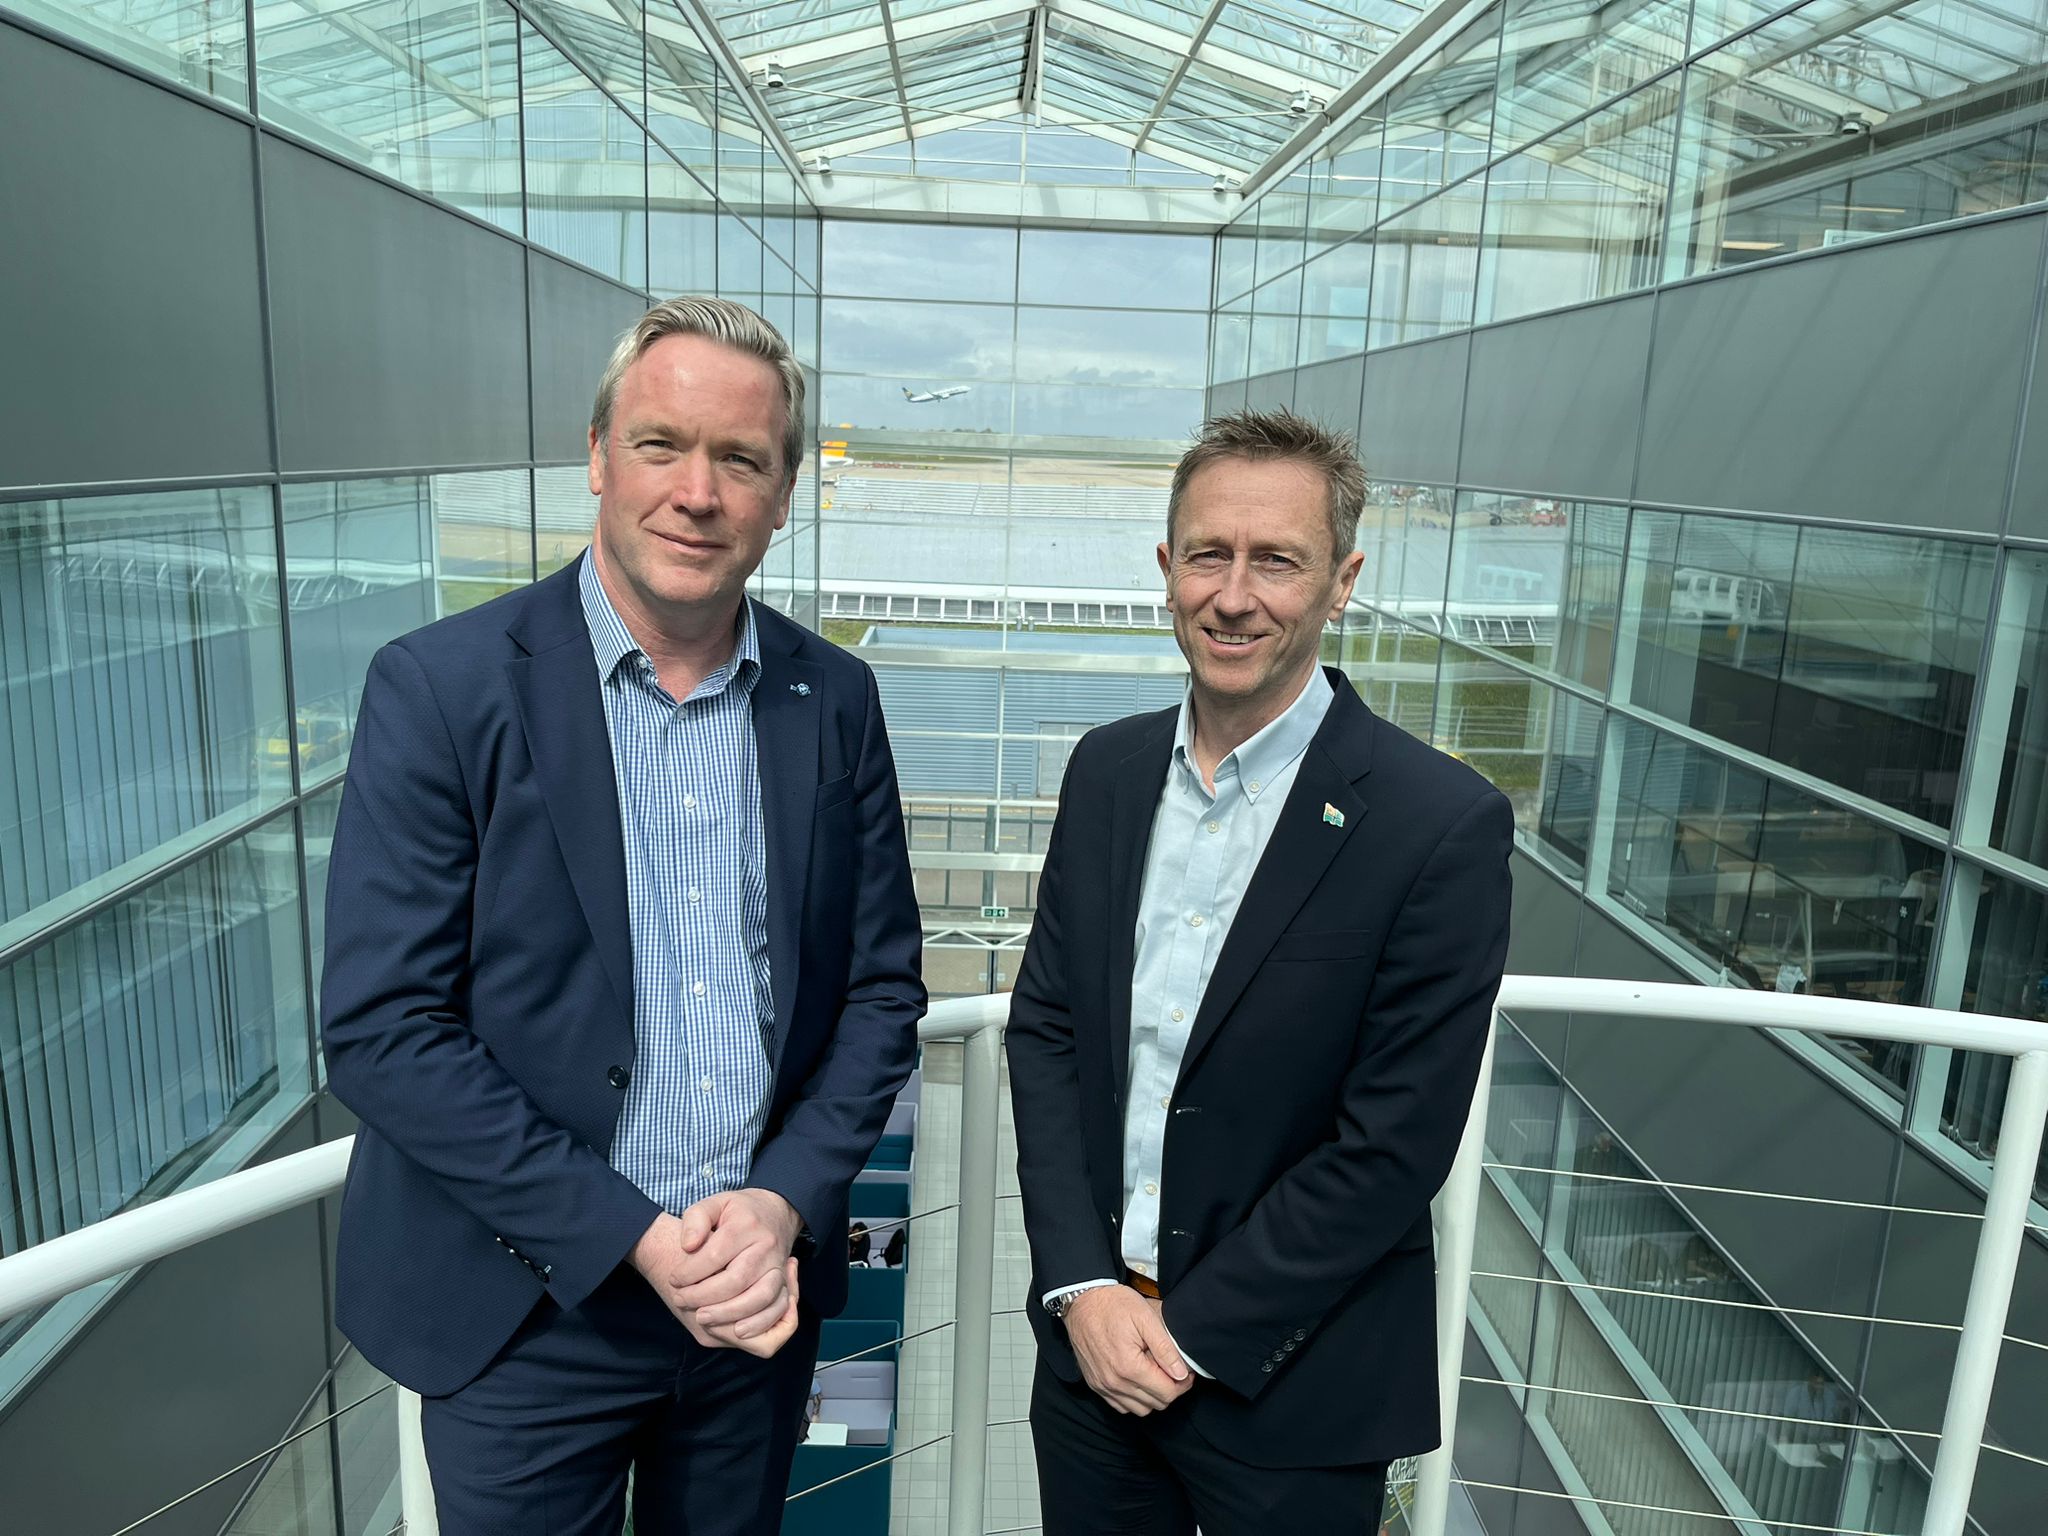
724 1269
1127 1357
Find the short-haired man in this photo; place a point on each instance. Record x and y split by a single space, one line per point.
1244 1040
622 977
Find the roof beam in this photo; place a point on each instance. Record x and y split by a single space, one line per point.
729 63
908 29
1180 72
1034 63
896 74
342 19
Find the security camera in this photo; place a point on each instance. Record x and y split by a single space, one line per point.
822 165
1853 125
1225 183
1304 103
771 77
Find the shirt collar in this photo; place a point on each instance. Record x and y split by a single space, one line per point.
613 642
1279 742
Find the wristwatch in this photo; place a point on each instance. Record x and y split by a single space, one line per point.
1057 1305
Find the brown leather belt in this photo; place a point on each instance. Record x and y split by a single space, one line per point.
1142 1284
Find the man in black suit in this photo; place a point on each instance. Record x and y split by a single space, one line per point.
1244 1041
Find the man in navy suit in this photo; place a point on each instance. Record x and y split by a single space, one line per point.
621 979
1244 1041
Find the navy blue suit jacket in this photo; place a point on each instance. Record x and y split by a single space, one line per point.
478 991
1328 1073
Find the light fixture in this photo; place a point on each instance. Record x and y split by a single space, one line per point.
1305 101
822 165
1852 125
771 77
1225 183
1752 245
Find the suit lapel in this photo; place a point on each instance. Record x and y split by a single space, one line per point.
1133 807
1299 854
562 711
786 705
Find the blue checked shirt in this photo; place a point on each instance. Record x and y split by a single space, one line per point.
697 899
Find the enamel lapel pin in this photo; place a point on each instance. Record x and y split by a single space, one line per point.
1332 815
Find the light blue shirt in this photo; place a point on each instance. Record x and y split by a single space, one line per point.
697 901
1205 846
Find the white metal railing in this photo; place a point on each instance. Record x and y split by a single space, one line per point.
50 1270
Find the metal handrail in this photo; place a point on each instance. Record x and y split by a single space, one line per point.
52 1269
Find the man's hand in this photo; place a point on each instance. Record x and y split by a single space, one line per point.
723 1268
1127 1357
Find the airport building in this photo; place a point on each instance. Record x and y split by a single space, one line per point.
1694 350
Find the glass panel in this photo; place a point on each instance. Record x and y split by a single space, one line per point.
919 261
1276 324
318 813
586 168
1230 342
131 1044
433 104
1581 215
1823 126
2007 975
141 685
1771 887
1335 287
1129 411
1560 58
741 261
888 403
941 344
361 557
682 230
1538 744
1071 266
1847 655
1236 255
682 94
198 43
564 514
2015 725
1106 346
1425 267
1345 184
1539 579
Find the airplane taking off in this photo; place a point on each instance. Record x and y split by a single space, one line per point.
936 394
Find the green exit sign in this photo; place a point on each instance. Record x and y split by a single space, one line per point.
995 914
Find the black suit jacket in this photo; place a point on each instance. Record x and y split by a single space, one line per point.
1324 1089
478 992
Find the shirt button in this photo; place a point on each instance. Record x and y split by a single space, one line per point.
1194 919
1166 1101
1253 786
695 894
1151 1189
689 802
1141 1269
708 1171
1215 826
697 988
1178 1015
705 1085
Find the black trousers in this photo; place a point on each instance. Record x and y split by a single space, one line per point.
1103 1473
540 1443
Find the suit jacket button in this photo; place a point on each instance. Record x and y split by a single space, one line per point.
1267 1367
1300 1334
618 1077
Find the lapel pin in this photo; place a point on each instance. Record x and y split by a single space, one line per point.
1332 815
801 690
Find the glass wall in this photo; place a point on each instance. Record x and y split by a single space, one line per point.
1549 155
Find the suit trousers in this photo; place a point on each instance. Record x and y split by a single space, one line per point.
1104 1473
541 1442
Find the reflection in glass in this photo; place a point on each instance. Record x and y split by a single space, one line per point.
1562 58
1335 287
586 168
434 105
1537 744
1847 655
1230 342
198 43
1581 215
141 681
564 514
2016 723
1771 887
2007 975
1540 579
132 1043
1425 267
361 558
1344 185
1809 132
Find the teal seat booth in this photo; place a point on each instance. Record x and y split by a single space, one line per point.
861 1394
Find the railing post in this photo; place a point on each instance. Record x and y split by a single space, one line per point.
415 1488
1991 1280
974 1278
1457 1221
